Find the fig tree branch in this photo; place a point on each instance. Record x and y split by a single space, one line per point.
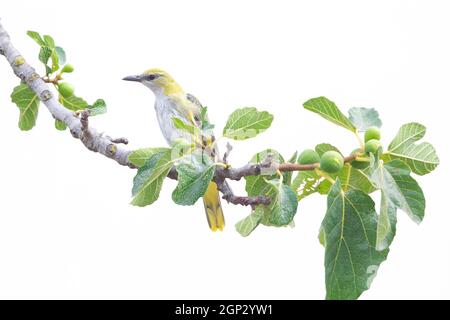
92 139
268 166
230 197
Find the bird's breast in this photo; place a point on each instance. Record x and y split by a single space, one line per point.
165 111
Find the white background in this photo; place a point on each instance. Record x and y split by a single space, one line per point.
66 228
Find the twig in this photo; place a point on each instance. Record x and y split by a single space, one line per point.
230 197
84 120
120 140
227 153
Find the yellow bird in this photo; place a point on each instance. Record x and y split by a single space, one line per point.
171 101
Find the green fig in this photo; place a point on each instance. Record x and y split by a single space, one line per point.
372 133
372 146
308 156
331 162
66 89
68 68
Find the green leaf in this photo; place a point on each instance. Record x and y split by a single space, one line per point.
328 110
249 223
283 206
55 61
305 183
36 37
394 179
59 125
205 125
284 202
140 156
44 54
387 221
355 179
98 107
48 70
49 41
364 118
324 147
180 124
421 158
61 55
73 103
351 179
148 181
48 50
247 123
203 113
194 175
28 103
349 234
257 185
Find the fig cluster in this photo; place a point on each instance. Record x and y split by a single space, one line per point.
330 161
372 140
333 162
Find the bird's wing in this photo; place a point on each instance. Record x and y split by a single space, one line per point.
191 98
194 100
198 104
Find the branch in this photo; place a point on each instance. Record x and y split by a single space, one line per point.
230 197
308 167
227 153
92 139
267 167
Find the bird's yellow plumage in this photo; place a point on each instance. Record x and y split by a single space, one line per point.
213 208
165 81
171 101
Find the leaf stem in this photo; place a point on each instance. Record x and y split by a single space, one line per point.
280 174
324 175
360 141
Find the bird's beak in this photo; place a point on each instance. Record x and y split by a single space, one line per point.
132 78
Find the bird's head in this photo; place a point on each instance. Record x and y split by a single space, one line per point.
159 81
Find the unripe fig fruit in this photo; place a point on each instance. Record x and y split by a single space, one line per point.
372 133
66 89
308 156
372 146
359 164
331 162
68 68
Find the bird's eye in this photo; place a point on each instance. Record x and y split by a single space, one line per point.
151 77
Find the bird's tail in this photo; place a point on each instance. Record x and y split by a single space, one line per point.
213 208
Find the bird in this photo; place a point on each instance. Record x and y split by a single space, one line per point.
172 101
